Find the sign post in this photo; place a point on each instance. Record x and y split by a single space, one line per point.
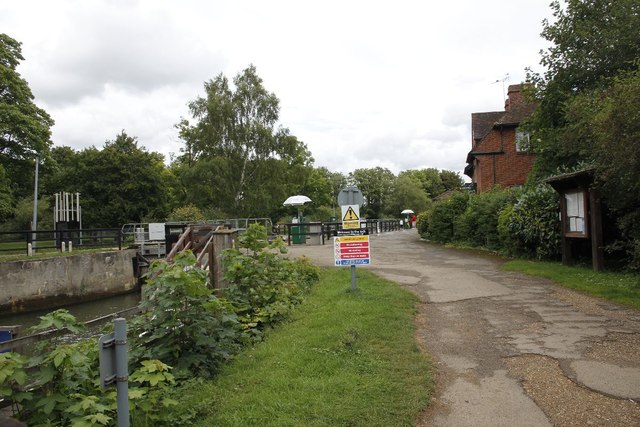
351 246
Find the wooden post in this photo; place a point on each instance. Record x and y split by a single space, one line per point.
597 252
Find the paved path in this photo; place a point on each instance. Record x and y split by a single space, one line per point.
508 349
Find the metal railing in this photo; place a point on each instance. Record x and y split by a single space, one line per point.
19 242
319 232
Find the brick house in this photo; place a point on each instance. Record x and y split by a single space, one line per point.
497 155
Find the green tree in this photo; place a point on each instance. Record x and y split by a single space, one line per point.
252 165
591 43
119 184
24 127
451 180
6 209
429 179
376 185
406 194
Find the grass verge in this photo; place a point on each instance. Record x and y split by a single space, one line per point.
345 358
621 288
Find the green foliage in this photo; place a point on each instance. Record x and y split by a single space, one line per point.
530 227
149 400
23 215
60 320
376 185
234 144
183 324
407 194
443 216
422 223
262 286
186 213
478 225
25 129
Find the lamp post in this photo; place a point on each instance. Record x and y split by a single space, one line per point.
34 223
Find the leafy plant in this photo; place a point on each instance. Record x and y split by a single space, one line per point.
263 286
443 217
183 324
530 227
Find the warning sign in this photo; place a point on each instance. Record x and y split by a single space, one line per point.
352 250
351 214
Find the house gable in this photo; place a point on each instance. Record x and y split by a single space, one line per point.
494 158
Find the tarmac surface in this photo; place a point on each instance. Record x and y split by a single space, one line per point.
509 349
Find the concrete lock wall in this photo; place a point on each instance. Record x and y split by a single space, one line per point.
51 282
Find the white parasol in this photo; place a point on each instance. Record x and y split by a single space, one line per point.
298 200
407 212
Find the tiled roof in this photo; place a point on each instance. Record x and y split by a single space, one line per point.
516 115
482 123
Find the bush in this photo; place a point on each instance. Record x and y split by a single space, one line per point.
189 213
422 223
183 324
531 227
263 286
443 217
478 225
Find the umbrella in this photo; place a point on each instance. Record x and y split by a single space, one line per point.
406 212
296 201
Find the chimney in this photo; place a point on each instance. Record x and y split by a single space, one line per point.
514 97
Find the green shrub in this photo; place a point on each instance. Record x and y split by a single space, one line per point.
531 227
183 324
443 217
263 286
422 223
189 213
478 224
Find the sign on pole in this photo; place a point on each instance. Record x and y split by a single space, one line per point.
351 250
350 216
350 196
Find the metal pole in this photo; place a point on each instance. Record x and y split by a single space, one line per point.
122 371
353 278
34 224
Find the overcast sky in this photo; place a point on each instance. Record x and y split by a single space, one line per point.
362 83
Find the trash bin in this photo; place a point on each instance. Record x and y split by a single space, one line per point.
298 232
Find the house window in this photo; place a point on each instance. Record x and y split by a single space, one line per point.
522 141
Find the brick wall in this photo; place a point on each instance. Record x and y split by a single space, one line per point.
506 170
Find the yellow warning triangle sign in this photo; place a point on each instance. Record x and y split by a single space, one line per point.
350 215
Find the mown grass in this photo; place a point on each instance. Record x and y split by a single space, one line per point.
345 359
622 288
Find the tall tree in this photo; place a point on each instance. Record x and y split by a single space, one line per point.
591 42
254 164
24 127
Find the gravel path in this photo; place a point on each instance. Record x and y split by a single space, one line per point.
508 349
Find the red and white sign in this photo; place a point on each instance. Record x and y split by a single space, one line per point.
351 250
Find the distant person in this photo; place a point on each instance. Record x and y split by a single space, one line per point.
413 220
